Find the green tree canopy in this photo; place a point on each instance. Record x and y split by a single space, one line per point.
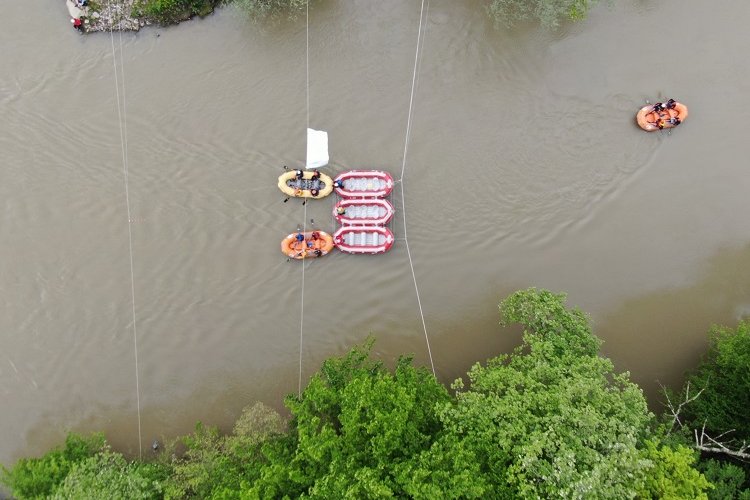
354 430
40 477
108 474
552 419
724 377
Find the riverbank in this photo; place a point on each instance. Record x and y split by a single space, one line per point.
132 15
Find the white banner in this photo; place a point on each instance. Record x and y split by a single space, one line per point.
317 148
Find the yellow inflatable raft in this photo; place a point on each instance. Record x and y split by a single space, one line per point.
309 186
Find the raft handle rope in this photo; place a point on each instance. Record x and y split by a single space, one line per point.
122 120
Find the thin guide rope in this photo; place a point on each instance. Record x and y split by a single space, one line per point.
123 143
403 200
304 203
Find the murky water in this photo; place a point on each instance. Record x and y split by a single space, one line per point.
525 168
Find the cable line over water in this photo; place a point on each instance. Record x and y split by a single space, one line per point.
304 203
401 179
122 120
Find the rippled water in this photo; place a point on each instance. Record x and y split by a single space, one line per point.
524 168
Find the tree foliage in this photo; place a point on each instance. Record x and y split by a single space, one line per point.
216 466
724 374
108 473
40 477
727 479
354 431
552 419
172 11
548 12
260 9
672 475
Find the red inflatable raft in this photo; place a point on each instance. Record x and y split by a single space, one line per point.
363 184
363 211
363 239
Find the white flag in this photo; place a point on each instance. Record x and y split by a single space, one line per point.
317 148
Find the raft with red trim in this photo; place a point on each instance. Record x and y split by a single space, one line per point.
363 239
302 188
649 118
363 211
364 184
308 248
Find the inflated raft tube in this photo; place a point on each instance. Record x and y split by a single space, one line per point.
363 184
363 211
363 239
301 188
649 118
315 244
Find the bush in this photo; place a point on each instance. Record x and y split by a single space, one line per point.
172 11
258 9
548 12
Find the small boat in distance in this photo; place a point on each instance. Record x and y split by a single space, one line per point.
364 184
314 244
659 116
303 188
363 239
363 211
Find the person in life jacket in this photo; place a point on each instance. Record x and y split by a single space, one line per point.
77 23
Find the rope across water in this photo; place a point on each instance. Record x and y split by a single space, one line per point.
403 168
122 120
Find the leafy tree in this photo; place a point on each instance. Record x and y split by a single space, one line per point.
40 477
724 377
672 475
215 465
727 479
552 419
354 431
548 12
108 473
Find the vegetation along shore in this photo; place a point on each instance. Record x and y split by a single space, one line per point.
553 419
132 15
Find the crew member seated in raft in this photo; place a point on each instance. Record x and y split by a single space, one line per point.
314 192
300 237
315 175
299 175
671 104
674 121
340 210
658 107
338 184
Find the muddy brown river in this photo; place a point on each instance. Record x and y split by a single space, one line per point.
524 168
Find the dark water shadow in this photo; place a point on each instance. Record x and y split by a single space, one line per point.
659 336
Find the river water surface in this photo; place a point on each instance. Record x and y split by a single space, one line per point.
524 168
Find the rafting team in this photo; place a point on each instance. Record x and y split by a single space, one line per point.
659 107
